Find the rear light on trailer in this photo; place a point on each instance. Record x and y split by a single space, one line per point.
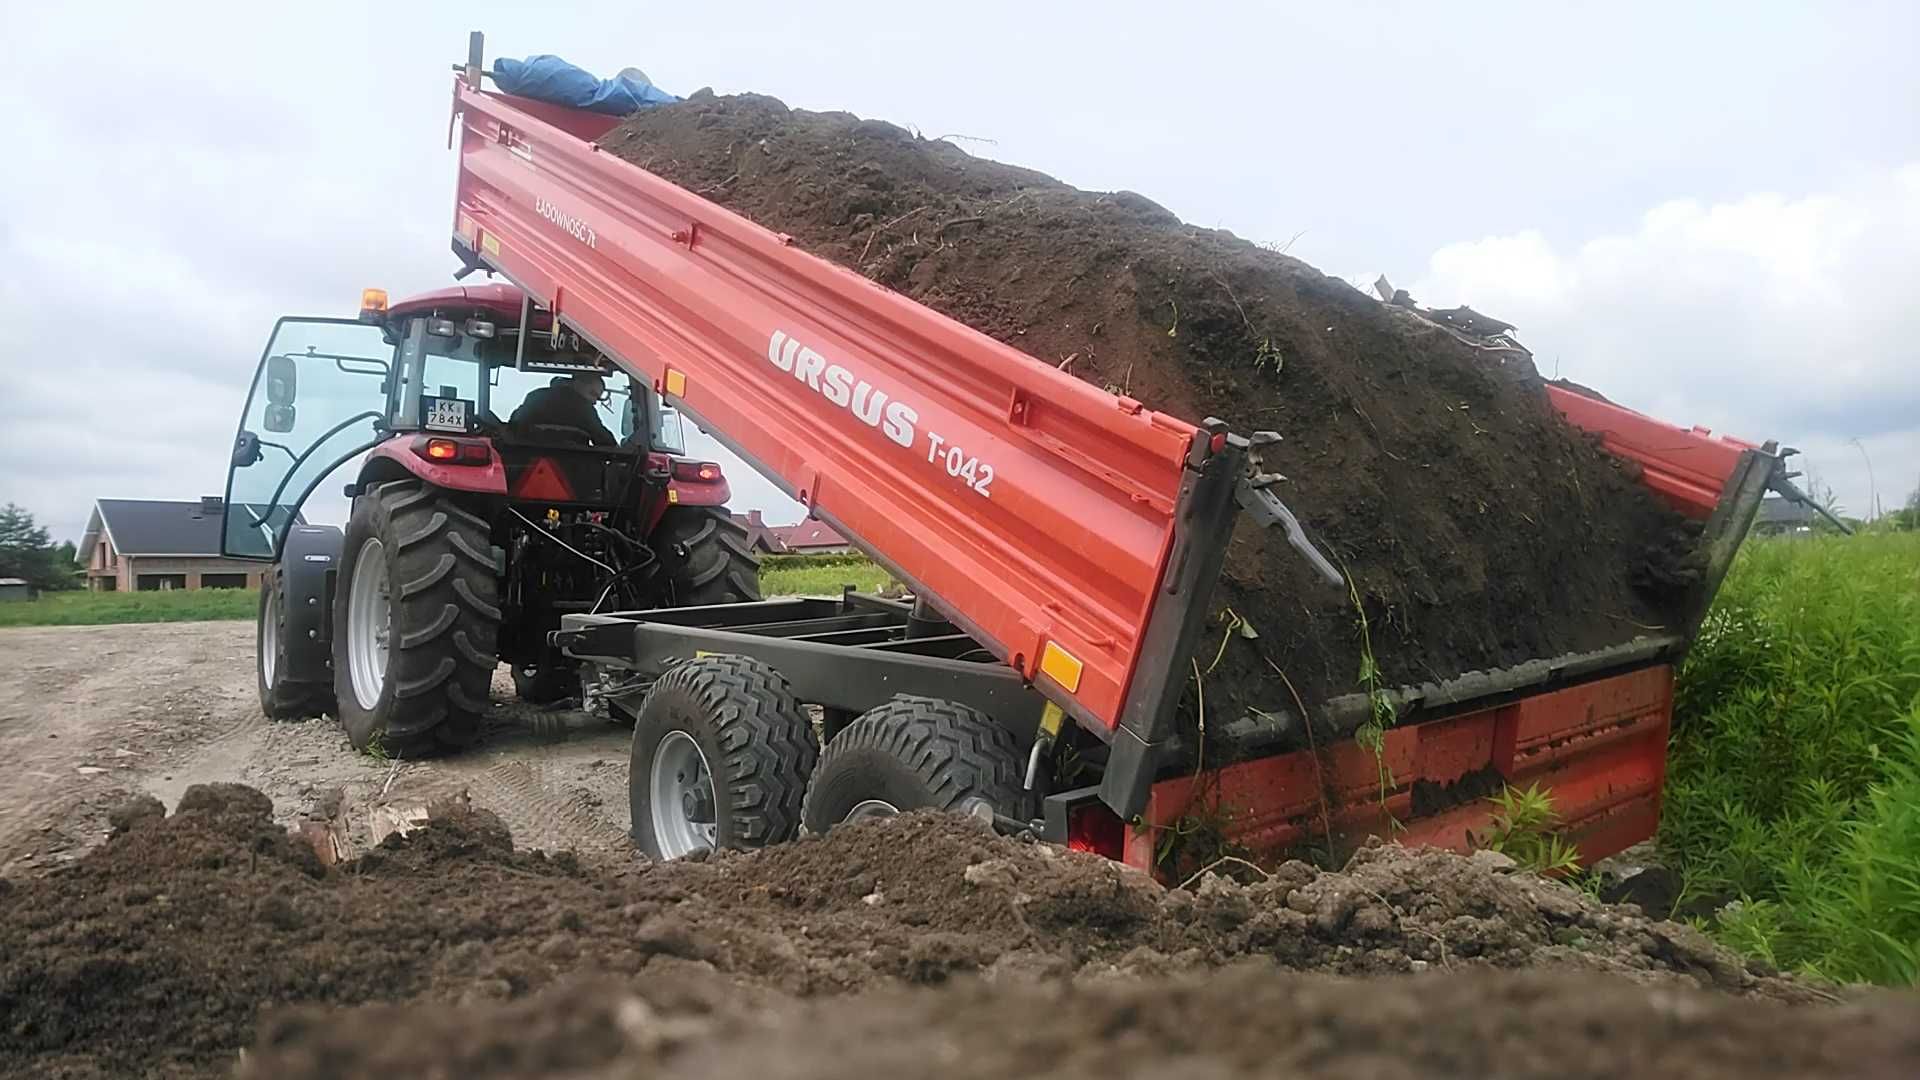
1094 828
443 451
373 305
697 472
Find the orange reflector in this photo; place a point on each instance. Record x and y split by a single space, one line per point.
676 382
1061 666
442 449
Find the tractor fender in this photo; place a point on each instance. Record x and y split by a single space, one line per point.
395 460
309 567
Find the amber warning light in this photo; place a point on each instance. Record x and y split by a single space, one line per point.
373 304
705 472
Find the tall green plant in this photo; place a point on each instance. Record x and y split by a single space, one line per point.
1794 730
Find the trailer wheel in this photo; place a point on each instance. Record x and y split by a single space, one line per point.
706 556
914 753
721 755
282 695
544 684
416 618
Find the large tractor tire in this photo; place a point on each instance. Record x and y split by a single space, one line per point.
416 621
706 556
914 753
721 754
284 693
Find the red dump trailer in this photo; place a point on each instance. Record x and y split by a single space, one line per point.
1059 544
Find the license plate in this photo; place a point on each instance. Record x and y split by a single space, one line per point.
446 414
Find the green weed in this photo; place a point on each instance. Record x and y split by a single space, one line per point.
1523 830
1794 773
1372 734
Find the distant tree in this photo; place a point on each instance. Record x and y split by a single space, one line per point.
66 561
26 551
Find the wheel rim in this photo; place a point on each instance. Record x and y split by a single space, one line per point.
869 809
369 621
681 797
269 644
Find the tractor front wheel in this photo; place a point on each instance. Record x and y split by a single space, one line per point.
416 621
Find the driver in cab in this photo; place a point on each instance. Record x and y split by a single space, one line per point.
568 402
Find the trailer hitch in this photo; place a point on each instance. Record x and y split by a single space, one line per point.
1254 493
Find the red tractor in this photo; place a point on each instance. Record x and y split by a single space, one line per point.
506 475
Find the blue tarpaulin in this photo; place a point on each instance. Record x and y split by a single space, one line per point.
549 78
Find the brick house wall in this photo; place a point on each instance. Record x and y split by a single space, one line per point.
109 570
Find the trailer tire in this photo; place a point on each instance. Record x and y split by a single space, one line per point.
735 720
707 557
416 621
282 696
914 753
545 684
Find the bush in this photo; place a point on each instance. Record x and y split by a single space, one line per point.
1794 777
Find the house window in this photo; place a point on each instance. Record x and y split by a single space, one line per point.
223 581
160 582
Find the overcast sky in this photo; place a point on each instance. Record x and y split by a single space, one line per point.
1709 212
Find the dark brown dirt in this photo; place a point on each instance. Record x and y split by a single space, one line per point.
157 952
1479 529
1247 1021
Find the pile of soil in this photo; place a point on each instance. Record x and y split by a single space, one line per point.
1479 529
158 952
1248 1021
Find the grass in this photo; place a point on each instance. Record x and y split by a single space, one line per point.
789 575
781 575
1794 776
94 608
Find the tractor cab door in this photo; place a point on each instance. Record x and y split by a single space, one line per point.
320 397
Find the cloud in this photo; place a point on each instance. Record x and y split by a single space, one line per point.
1766 317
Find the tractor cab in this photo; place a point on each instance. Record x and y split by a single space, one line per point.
471 388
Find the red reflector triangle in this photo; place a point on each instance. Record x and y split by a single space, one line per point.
543 480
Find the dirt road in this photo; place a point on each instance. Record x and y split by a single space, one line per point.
92 714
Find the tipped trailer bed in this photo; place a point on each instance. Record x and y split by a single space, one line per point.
1061 542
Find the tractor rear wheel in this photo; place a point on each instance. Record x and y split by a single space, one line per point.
914 753
706 557
416 621
282 695
721 753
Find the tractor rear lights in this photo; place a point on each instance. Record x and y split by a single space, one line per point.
373 305
696 472
443 328
480 328
442 451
